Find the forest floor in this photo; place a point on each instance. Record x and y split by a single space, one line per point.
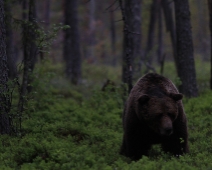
79 127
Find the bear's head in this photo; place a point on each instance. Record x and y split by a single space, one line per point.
159 112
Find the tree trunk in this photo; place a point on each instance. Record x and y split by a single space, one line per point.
160 55
91 33
25 52
160 34
47 13
71 51
32 32
46 18
113 34
30 48
170 27
150 40
127 50
5 124
185 58
132 38
30 51
202 31
11 61
210 26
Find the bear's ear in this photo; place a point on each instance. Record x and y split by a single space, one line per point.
176 96
143 99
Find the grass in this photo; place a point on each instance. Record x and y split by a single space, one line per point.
68 127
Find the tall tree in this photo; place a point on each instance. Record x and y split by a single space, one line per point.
170 26
91 31
131 12
10 42
46 18
30 50
5 125
160 33
47 13
202 30
151 31
185 57
210 25
160 55
71 51
113 32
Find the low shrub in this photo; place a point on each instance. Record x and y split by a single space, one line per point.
64 129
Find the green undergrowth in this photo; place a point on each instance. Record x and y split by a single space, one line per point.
65 128
202 74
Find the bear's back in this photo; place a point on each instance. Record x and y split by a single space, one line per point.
154 81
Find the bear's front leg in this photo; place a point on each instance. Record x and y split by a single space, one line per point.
134 147
175 145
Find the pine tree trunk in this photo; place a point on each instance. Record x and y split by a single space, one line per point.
5 125
160 55
151 32
91 35
113 34
160 34
32 33
202 30
210 26
46 18
30 51
11 61
25 53
170 27
47 13
185 57
132 39
71 51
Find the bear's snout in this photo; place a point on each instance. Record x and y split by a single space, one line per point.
166 127
168 131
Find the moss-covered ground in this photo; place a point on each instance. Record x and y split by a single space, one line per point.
69 127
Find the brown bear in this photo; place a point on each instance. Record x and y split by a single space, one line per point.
154 114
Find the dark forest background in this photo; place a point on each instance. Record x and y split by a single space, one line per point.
66 68
100 28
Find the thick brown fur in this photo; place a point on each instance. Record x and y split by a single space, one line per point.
154 114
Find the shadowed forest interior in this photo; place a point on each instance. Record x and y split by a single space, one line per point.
67 67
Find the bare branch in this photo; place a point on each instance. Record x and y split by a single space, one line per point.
111 5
